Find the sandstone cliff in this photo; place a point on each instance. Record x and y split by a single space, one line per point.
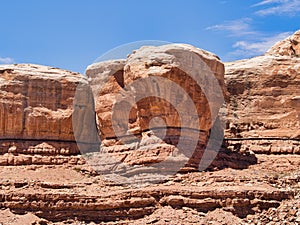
36 106
264 101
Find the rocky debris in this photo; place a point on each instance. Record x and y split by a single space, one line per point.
287 213
62 193
263 110
265 145
137 203
21 159
167 215
8 218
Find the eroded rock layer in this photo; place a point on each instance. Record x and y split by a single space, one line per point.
36 106
71 194
36 102
264 107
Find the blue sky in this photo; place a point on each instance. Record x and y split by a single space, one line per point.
71 34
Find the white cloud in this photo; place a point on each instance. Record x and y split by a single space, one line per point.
238 27
278 7
6 60
256 47
265 2
249 42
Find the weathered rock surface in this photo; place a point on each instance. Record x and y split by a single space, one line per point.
164 82
287 47
36 107
36 102
110 77
265 101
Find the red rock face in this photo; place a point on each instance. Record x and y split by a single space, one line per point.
36 106
36 102
265 100
165 83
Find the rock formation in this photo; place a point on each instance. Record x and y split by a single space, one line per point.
264 101
160 102
44 111
110 77
287 47
36 106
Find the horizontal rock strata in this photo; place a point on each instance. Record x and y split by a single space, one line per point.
36 107
264 100
135 204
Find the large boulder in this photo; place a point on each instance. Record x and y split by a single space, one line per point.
110 77
173 93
